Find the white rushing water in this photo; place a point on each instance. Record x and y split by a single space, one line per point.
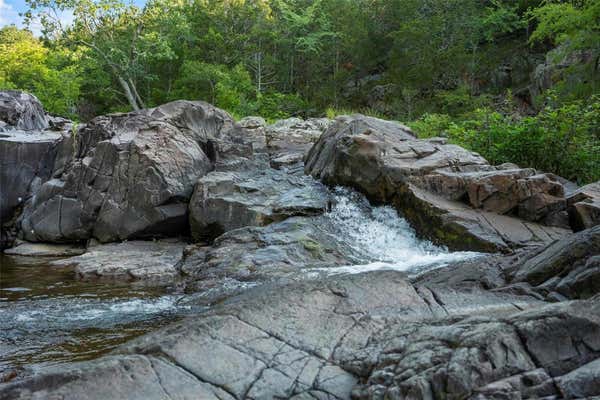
383 238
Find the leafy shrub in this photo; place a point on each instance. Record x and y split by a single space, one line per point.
561 139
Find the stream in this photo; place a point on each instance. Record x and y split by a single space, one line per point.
48 316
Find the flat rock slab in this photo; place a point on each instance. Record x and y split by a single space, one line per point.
45 250
138 260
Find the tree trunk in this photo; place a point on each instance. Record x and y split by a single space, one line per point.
130 96
137 96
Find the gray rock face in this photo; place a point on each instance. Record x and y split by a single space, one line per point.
425 179
150 261
223 201
133 174
28 154
255 253
569 267
368 336
584 207
290 139
22 111
519 356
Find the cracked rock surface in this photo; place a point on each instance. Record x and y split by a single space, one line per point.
132 174
366 336
227 200
29 149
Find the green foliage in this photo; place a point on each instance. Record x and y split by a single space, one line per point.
51 74
576 22
453 63
561 139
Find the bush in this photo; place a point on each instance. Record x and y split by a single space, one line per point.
564 140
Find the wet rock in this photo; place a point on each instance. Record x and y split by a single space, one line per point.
318 338
584 207
133 174
21 111
223 201
428 181
266 252
44 250
139 260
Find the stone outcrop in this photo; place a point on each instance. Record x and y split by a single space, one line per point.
584 207
277 319
29 149
569 268
223 201
133 174
449 194
263 253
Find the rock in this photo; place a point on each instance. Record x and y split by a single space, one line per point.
517 356
427 181
133 174
503 191
21 111
570 267
223 201
117 377
290 139
582 382
26 161
584 207
44 250
252 122
28 154
319 338
265 252
255 127
139 260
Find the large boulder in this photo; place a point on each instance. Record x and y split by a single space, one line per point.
132 174
28 154
451 195
227 200
256 253
584 207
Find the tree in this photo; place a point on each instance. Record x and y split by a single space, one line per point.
111 31
52 75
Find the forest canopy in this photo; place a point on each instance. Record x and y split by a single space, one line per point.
502 77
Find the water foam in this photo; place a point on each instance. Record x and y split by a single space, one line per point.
382 238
